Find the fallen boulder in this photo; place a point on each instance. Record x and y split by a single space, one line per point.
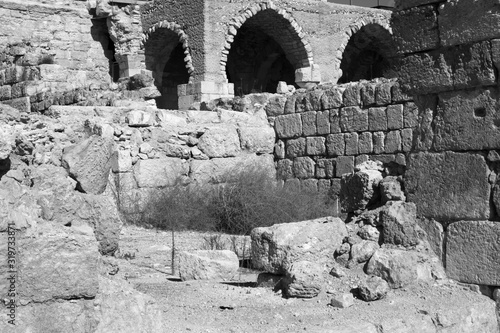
342 301
401 268
208 265
358 190
373 288
400 226
89 163
390 190
60 203
304 279
121 308
276 248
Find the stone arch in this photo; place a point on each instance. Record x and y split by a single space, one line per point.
168 56
285 49
368 52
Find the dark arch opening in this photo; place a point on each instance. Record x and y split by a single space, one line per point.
99 32
165 57
368 55
265 50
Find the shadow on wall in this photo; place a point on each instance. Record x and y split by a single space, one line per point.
369 54
165 58
266 50
99 33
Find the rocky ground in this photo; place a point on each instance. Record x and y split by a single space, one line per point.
242 306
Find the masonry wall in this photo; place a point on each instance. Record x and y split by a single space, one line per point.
51 54
450 66
323 133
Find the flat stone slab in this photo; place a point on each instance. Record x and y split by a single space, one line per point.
473 252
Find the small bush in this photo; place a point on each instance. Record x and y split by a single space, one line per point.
252 199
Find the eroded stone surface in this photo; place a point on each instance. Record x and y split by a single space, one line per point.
456 185
473 252
275 248
208 265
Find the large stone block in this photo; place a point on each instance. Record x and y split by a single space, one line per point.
426 73
323 122
449 186
275 106
303 167
401 268
222 170
353 119
220 142
468 120
259 140
399 222
332 98
315 146
359 189
124 309
89 162
473 66
468 21
304 279
335 144
473 252
276 248
464 66
288 126
295 147
377 119
57 264
160 172
309 123
416 29
208 265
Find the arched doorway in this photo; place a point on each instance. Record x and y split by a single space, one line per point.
165 53
266 49
369 54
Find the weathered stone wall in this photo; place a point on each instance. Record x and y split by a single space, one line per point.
51 54
450 67
158 148
323 133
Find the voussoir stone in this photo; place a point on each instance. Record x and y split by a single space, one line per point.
208 265
89 163
275 248
473 252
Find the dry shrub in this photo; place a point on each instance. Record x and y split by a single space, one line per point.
252 199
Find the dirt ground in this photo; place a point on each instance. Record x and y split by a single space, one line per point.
240 306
